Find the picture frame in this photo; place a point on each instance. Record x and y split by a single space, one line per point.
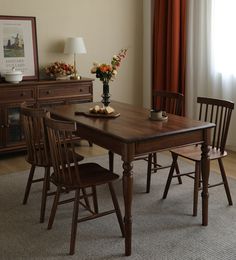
18 46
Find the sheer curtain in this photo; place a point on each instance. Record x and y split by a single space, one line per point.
211 55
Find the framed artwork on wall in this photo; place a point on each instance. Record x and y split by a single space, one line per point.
18 46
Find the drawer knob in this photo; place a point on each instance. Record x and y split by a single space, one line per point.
80 90
22 94
49 92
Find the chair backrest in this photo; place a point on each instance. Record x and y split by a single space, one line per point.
219 112
62 150
35 135
171 102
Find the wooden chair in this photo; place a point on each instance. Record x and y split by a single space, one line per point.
216 111
74 177
171 103
37 151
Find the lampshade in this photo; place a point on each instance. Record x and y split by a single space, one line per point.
75 45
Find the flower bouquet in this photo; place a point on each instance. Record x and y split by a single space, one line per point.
59 69
106 72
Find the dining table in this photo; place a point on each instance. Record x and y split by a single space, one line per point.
130 133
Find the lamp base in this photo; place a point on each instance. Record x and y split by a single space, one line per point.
75 77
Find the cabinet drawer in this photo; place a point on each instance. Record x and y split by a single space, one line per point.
63 92
17 95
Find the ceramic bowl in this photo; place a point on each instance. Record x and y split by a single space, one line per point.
13 76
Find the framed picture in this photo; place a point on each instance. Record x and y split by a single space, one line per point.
18 46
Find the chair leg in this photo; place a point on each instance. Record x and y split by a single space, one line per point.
111 161
86 200
154 156
44 193
117 208
171 172
178 172
149 173
48 186
200 179
226 185
28 185
54 207
74 222
95 199
196 188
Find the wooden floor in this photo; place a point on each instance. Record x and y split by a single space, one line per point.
16 162
10 163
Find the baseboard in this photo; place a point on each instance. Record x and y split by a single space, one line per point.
231 148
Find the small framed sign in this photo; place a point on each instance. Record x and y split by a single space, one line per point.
18 46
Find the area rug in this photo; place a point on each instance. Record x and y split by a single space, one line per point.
162 229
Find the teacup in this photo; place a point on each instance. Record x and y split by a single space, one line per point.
156 114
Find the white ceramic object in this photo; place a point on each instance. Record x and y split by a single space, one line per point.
13 76
156 115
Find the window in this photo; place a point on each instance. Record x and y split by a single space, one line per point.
223 44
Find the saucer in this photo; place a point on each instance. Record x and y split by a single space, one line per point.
164 118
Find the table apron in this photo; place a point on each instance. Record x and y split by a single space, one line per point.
170 141
129 150
105 141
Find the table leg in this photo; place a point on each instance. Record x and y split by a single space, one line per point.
111 161
128 193
205 167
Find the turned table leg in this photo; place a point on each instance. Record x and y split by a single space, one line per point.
205 167
128 193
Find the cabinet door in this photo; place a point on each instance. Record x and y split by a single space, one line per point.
13 128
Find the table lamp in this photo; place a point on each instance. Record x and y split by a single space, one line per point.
75 45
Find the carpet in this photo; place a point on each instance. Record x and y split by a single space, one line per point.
162 229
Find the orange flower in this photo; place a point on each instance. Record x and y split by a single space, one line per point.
105 68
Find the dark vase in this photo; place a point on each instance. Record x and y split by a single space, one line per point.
106 95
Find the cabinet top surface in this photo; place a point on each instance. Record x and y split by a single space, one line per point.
45 82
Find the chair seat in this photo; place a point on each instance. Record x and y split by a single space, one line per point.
193 153
91 174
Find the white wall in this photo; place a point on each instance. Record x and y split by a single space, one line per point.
106 25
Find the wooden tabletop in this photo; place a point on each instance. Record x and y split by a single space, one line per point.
132 125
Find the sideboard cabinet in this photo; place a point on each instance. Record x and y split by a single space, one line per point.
35 93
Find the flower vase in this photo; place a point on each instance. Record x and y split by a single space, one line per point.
105 95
